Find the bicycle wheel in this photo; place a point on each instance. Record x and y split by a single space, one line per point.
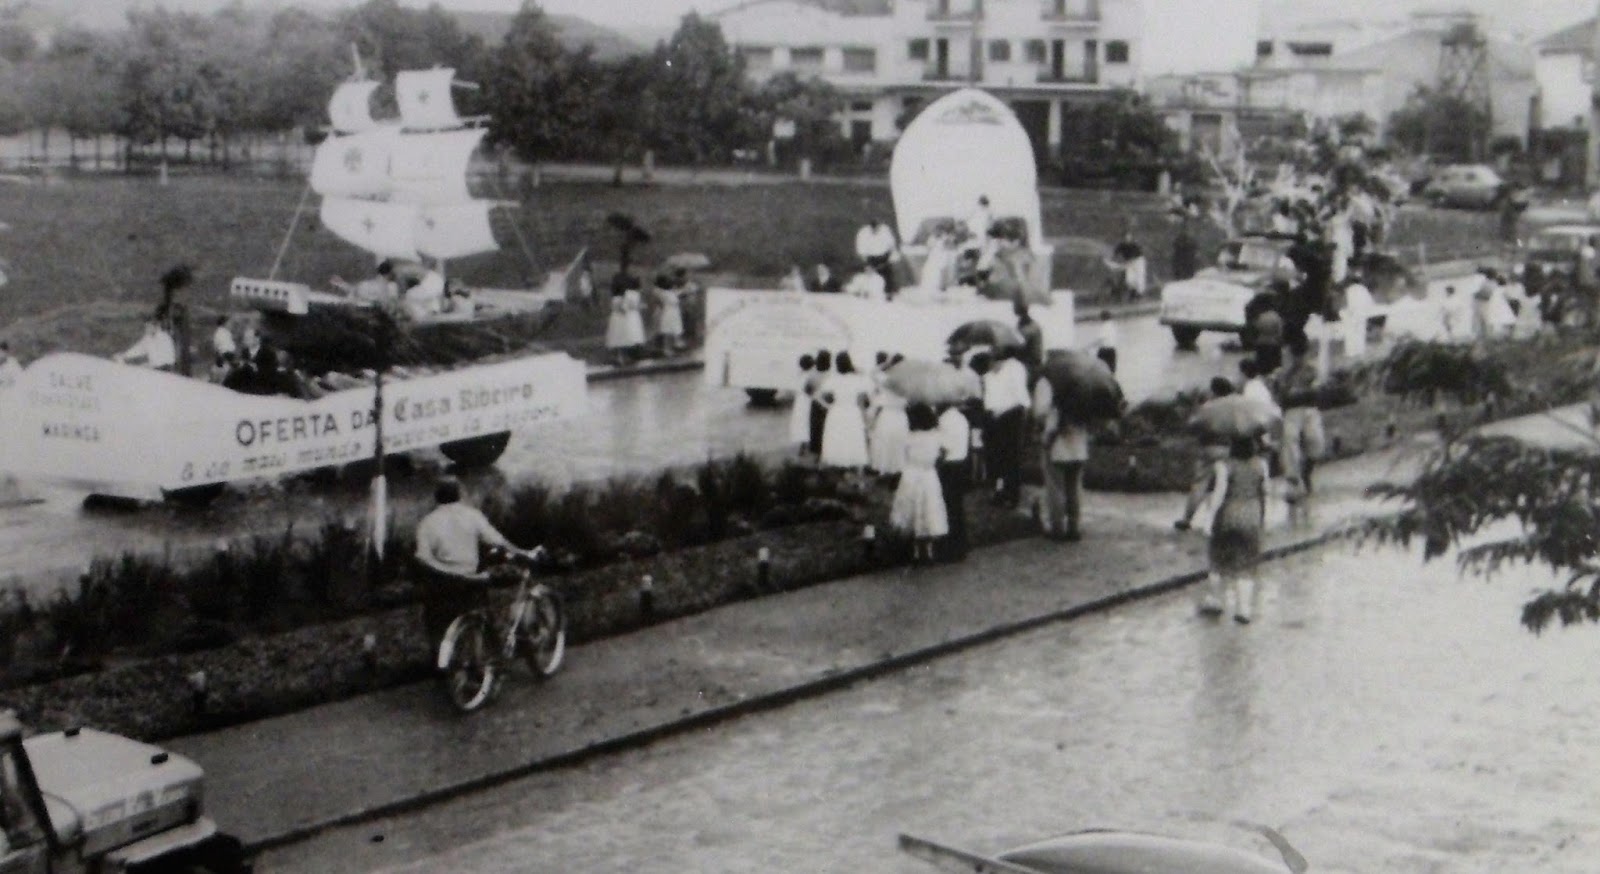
469 671
544 632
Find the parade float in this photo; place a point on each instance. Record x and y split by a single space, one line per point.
962 147
397 190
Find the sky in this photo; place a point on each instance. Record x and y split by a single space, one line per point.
1181 35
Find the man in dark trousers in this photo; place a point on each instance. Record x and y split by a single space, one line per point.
955 439
1185 252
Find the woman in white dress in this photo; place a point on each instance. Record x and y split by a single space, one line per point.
887 442
800 413
669 320
618 339
918 508
633 318
844 432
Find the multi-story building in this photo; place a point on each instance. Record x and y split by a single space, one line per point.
1040 56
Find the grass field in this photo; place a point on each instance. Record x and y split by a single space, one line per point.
85 253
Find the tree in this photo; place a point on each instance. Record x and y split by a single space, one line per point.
1445 126
1120 138
397 38
1471 487
705 102
545 98
812 105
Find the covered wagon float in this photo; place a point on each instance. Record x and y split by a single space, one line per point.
375 365
964 146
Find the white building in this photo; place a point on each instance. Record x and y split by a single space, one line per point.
1037 55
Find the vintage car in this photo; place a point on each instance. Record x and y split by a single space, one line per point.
1214 299
1566 251
1474 186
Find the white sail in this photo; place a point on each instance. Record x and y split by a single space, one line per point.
354 166
431 168
350 108
387 230
425 99
456 230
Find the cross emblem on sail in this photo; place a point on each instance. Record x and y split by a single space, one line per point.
398 189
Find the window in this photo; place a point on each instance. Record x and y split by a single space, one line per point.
757 60
860 60
918 49
1264 48
1034 50
861 106
999 51
809 58
1117 51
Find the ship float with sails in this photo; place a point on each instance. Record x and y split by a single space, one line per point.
395 189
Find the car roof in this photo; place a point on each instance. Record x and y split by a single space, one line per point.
1569 229
1118 852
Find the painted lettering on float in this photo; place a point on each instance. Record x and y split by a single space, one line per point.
285 429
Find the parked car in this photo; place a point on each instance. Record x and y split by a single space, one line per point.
1560 264
1215 298
1473 186
1113 852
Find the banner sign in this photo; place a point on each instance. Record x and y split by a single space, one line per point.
129 431
754 339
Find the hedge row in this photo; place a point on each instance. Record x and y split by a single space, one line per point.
154 698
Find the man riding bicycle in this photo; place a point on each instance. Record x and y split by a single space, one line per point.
449 540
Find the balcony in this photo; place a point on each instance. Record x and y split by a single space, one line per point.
1068 77
954 11
934 74
1071 11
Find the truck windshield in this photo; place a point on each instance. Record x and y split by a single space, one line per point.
1252 255
18 821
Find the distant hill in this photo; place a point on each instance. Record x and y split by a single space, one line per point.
575 33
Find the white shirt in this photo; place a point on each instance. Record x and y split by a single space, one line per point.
1005 387
980 222
867 284
448 538
1255 388
1357 300
955 435
154 350
222 341
874 242
1107 338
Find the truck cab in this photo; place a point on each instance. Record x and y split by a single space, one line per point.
82 800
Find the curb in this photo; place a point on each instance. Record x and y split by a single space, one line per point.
801 691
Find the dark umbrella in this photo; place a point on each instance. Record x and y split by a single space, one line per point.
1084 388
986 332
1226 418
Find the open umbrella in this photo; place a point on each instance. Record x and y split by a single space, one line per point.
1226 418
687 260
986 332
932 382
1083 387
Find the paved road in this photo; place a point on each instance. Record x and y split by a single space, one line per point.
1387 717
636 425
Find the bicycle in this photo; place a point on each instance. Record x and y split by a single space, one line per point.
474 653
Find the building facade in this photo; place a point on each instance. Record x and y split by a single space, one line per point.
1039 56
